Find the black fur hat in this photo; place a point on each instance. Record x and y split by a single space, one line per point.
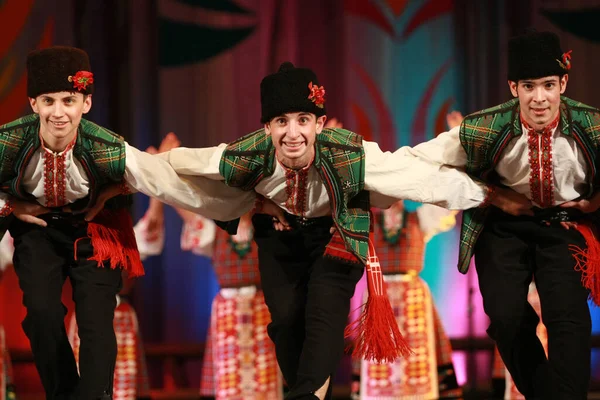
58 69
291 89
536 55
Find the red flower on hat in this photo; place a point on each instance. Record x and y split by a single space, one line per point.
81 80
566 60
317 94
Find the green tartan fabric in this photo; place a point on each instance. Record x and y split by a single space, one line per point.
100 151
485 134
339 159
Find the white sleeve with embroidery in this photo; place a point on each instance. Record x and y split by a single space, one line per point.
434 220
7 250
199 191
198 236
148 245
431 172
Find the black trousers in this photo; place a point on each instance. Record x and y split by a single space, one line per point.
44 257
509 253
308 296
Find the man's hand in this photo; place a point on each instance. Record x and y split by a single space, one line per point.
511 202
151 150
28 212
568 225
170 142
272 209
586 205
454 119
106 194
333 123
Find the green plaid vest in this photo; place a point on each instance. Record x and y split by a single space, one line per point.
339 159
100 151
485 134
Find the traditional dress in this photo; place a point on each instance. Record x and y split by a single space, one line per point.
428 373
239 358
131 371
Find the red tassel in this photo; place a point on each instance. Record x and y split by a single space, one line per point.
376 332
588 261
113 239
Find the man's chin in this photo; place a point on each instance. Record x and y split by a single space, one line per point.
61 134
541 121
293 155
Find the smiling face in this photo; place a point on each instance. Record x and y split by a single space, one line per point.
294 136
539 99
60 114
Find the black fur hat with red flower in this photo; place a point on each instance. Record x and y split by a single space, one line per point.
59 69
290 90
536 55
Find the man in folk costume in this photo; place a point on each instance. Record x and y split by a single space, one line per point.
323 179
7 389
239 358
54 165
540 151
52 159
400 238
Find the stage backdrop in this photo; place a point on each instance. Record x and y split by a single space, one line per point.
392 70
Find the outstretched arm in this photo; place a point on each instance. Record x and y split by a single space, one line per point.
428 173
433 172
198 192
